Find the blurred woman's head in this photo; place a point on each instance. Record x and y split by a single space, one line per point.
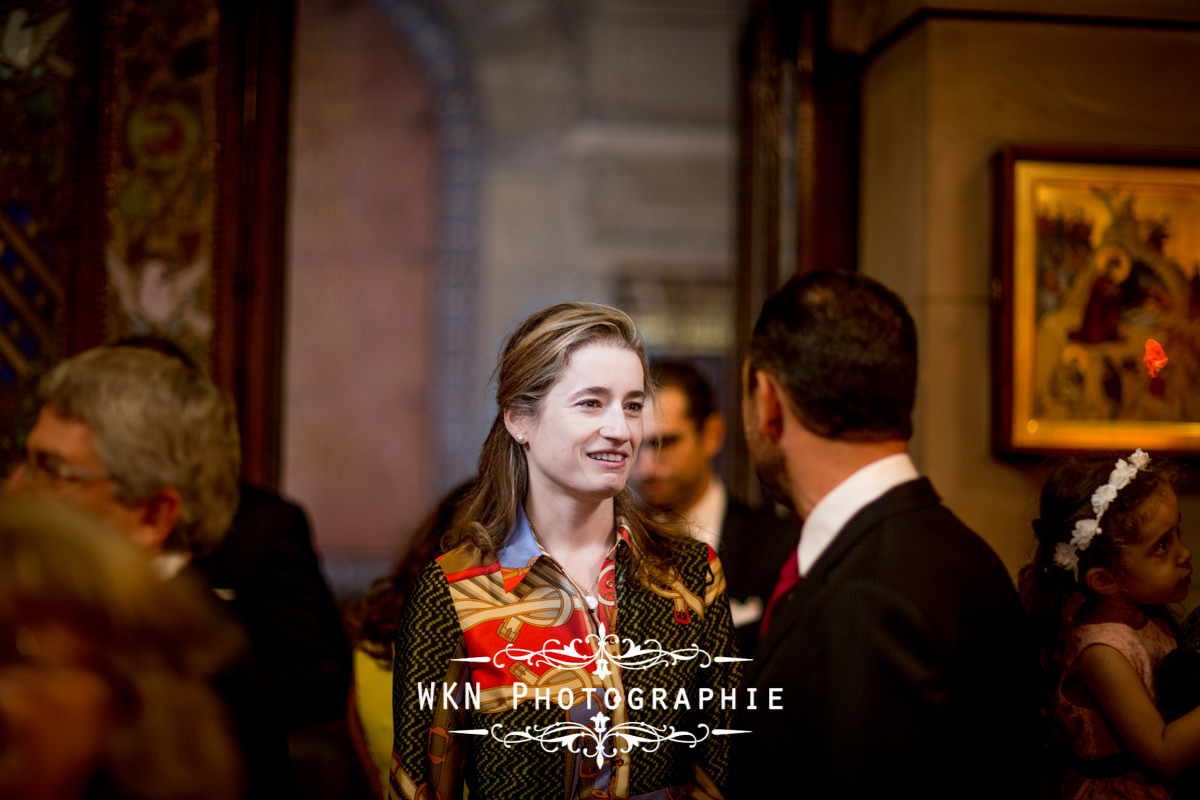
104 668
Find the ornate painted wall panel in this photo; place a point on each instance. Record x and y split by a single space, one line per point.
42 96
143 163
162 186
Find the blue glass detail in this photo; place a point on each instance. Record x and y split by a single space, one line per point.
27 344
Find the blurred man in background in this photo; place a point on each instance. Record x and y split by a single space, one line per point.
683 435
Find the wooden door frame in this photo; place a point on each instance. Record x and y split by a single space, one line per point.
251 232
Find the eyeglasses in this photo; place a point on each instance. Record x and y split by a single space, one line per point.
46 470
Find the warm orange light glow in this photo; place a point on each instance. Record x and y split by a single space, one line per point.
1155 358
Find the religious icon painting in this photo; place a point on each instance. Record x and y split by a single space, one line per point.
1096 300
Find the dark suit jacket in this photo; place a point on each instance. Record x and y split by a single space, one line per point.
754 543
261 737
905 667
270 576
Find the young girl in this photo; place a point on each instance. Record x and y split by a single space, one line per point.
1109 562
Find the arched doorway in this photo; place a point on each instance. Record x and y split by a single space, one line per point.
380 276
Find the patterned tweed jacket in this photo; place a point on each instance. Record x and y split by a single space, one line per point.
506 681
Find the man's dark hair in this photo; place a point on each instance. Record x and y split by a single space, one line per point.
844 348
697 391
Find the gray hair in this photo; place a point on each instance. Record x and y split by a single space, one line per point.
156 423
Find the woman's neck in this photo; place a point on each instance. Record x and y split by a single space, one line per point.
564 523
577 536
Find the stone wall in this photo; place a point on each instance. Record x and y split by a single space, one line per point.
938 103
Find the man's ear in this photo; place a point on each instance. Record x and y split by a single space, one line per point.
767 401
1101 580
156 518
712 434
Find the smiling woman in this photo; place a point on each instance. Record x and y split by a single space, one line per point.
582 443
559 596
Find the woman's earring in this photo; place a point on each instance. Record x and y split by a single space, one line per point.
520 437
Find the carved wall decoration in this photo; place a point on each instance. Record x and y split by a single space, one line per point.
143 155
40 98
161 191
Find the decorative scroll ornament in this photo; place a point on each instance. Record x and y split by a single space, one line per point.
602 650
597 740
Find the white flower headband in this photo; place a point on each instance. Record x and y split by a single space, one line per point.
1066 554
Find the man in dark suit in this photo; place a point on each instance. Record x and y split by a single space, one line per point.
266 570
683 433
899 655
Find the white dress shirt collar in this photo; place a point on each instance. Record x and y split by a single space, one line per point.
849 497
706 517
170 564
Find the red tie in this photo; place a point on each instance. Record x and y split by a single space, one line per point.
789 576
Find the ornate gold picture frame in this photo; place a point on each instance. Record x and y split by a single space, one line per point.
1097 300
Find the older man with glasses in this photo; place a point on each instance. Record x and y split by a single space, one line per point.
148 443
140 439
